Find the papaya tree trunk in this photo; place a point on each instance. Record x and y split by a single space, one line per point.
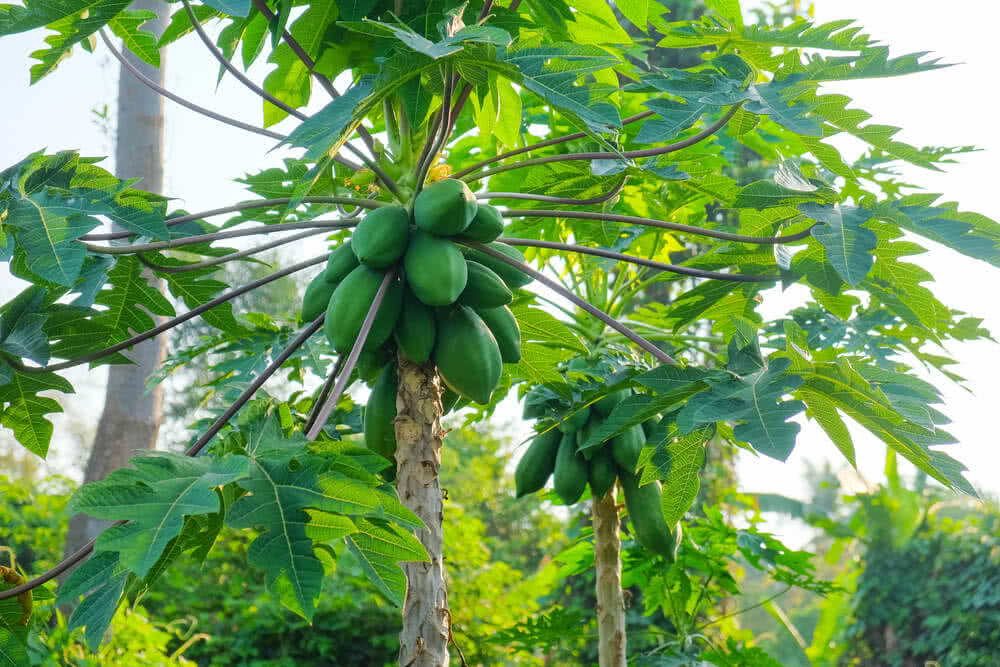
608 566
426 617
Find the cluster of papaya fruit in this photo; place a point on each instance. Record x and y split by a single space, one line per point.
447 302
556 453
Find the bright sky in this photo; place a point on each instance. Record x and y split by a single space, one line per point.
953 106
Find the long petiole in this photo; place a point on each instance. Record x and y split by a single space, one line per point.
649 152
641 261
218 236
437 141
197 108
651 222
231 256
258 381
598 199
352 359
169 324
541 144
548 282
235 208
301 54
325 391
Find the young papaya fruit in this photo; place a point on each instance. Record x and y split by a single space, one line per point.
445 208
601 471
371 361
537 463
317 297
513 276
583 435
416 330
627 446
643 504
608 403
575 420
569 477
380 411
484 288
486 226
449 399
503 325
350 303
649 425
436 271
466 353
380 239
342 261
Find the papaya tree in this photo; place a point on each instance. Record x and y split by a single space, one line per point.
484 175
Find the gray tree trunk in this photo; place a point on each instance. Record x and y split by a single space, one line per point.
426 616
608 566
132 416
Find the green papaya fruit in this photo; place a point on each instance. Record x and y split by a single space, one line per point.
466 353
484 288
537 463
649 425
436 271
371 361
416 330
513 276
627 446
601 472
350 303
342 261
317 297
608 403
503 325
643 504
445 208
449 399
486 226
575 420
583 435
380 411
570 473
380 239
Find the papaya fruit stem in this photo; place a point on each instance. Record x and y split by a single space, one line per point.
352 357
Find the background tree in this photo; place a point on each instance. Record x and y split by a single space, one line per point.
132 414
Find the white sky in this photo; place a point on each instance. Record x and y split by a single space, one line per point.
953 106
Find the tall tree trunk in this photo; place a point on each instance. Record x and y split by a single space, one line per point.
608 565
131 417
426 617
